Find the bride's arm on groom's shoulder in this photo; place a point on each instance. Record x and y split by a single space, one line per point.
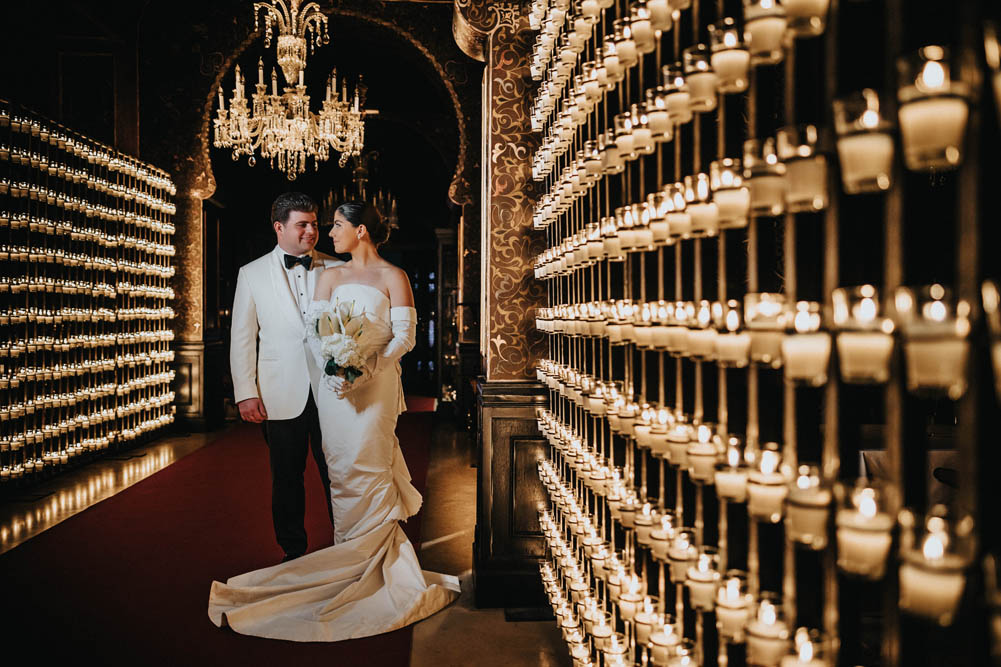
243 351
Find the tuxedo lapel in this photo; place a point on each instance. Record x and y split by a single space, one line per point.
283 292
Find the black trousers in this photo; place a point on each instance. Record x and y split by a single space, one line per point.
288 440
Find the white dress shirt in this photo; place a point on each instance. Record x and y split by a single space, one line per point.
302 288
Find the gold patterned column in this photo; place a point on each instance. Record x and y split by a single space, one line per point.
510 344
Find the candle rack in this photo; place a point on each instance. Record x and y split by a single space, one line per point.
85 298
734 427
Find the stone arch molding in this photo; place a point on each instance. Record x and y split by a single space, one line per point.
200 180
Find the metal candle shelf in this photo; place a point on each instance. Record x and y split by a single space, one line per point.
734 309
85 298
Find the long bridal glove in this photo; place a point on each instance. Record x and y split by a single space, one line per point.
404 321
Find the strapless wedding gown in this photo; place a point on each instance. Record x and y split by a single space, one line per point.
370 581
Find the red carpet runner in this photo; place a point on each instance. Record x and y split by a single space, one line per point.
126 582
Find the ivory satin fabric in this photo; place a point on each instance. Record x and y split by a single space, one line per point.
370 581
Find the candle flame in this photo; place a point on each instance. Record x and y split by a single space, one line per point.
866 310
732 320
934 546
705 563
766 613
936 311
733 589
805 651
769 461
730 40
733 457
870 119
933 76
867 504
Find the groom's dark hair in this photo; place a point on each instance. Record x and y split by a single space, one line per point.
291 201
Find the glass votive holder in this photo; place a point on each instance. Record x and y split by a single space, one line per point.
807 509
807 650
663 640
616 651
991 297
701 333
731 474
935 329
767 632
678 98
684 654
701 77
610 242
625 45
730 58
703 579
614 70
679 222
766 486
643 141
733 606
806 351
766 316
934 556
601 630
765 26
864 343
647 619
732 197
660 14
701 208
642 27
733 346
933 110
662 317
766 177
623 123
865 142
612 160
658 206
701 455
658 119
863 530
806 168
681 554
631 597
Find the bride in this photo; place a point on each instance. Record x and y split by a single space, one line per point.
369 581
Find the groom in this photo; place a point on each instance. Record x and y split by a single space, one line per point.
272 381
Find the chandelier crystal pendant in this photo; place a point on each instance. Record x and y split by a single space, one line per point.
297 29
282 126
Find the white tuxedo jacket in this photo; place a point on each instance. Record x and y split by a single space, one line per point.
282 369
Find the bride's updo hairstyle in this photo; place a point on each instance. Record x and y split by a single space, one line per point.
360 213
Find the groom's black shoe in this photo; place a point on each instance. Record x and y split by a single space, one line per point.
289 557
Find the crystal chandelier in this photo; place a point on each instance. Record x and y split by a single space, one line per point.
281 126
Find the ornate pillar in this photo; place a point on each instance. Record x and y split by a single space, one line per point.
508 542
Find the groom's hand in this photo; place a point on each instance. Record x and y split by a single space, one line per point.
252 410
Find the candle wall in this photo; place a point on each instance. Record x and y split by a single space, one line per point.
651 279
85 298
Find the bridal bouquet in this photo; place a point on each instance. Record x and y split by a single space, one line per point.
346 337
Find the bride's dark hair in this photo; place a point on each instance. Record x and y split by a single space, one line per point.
361 213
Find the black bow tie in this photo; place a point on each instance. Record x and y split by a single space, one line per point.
292 260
